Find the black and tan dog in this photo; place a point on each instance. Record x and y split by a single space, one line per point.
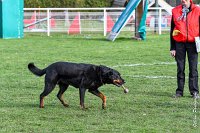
82 76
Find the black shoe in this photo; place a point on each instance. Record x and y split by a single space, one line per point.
195 95
177 95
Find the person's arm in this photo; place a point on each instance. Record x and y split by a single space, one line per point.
172 41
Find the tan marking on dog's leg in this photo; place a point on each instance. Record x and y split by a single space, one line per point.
63 102
103 97
42 102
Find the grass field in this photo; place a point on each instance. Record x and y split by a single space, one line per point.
147 67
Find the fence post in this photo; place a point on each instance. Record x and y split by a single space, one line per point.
105 21
79 19
160 21
48 22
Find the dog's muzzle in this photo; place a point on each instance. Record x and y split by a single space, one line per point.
118 82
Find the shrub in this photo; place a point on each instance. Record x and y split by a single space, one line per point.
66 3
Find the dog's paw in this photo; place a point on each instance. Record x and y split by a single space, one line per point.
41 107
83 108
103 106
66 105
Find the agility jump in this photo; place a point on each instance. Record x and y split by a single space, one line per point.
126 15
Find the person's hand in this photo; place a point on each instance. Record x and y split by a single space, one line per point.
173 53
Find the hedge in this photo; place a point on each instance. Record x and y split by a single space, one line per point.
66 3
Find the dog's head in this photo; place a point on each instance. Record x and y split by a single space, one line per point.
111 76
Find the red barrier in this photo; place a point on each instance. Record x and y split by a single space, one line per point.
30 21
75 26
52 23
110 23
33 20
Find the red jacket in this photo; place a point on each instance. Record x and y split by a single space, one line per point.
186 30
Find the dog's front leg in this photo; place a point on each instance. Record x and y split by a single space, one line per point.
101 95
82 96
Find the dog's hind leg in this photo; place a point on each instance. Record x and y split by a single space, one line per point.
101 95
47 89
50 83
63 88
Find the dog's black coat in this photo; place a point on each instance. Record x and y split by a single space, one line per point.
82 76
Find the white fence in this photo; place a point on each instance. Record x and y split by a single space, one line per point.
81 20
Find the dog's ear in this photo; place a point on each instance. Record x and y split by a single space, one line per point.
105 70
98 69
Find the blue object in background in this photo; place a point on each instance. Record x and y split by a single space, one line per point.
125 16
142 26
11 18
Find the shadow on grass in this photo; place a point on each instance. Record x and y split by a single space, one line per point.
166 94
36 106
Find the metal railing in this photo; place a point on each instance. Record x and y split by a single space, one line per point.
80 20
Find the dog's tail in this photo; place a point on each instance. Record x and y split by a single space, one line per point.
36 70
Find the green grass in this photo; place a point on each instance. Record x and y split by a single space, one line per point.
148 107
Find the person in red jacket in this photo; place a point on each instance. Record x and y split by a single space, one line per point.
184 29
